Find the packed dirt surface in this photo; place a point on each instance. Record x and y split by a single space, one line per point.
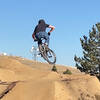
23 79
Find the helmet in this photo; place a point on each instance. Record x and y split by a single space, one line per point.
41 21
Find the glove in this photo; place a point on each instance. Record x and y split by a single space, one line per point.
49 33
35 39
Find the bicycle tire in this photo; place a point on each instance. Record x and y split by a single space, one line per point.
41 49
53 56
45 56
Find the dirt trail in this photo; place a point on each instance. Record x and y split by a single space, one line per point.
34 81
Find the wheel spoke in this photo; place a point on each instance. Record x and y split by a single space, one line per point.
47 54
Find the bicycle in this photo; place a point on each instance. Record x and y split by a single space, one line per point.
46 52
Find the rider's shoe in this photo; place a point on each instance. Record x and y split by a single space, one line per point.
49 56
39 53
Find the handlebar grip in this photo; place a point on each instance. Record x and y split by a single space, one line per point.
49 33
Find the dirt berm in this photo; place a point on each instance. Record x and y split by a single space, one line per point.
23 79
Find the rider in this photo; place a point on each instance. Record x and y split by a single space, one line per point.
40 32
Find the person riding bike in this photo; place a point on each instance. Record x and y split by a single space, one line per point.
40 32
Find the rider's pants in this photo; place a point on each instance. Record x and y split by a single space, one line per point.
42 35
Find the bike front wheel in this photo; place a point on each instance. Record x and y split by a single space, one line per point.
48 54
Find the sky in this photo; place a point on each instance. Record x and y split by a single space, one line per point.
72 19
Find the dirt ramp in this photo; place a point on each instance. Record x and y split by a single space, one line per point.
81 87
12 70
61 93
38 90
36 81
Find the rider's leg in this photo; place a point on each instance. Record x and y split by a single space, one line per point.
43 35
46 39
38 37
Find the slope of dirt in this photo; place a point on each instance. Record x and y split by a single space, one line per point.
44 66
23 79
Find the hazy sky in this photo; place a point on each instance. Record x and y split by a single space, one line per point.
72 19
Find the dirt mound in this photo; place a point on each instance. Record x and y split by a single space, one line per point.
23 79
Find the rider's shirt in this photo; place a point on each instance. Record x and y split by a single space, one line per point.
41 28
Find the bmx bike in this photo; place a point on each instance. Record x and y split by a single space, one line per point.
46 52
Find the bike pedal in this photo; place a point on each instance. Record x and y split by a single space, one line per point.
39 53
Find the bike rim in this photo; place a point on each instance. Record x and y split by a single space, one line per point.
51 57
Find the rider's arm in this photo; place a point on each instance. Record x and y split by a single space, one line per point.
52 28
33 35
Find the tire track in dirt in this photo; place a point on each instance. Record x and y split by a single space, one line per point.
8 89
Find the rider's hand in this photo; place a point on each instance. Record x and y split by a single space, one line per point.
49 33
35 39
33 35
